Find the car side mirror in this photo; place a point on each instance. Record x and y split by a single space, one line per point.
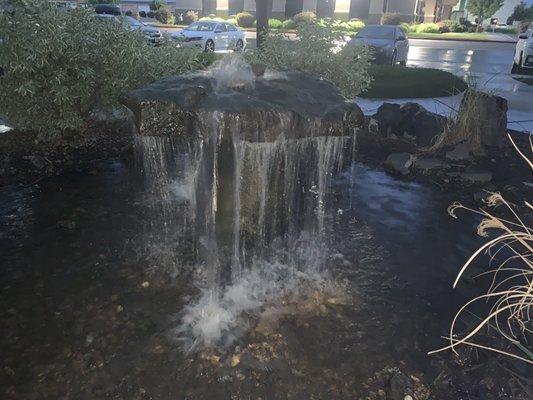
522 36
401 39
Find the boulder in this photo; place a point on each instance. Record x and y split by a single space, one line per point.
409 121
461 152
428 165
399 162
400 386
293 104
483 116
476 176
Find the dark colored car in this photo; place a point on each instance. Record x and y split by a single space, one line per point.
388 43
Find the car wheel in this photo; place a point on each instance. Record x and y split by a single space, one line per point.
393 58
209 46
239 45
514 68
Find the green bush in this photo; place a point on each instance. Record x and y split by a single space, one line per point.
157 4
453 26
165 16
60 66
190 16
391 19
142 14
274 23
406 27
503 30
317 51
150 14
232 21
128 13
427 28
305 17
355 25
245 19
289 24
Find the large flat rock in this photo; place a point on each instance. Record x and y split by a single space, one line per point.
258 109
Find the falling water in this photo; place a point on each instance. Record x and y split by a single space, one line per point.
254 203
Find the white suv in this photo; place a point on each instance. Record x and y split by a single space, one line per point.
523 56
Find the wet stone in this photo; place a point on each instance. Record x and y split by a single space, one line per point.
399 162
292 104
428 165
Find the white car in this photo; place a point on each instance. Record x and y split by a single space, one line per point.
212 35
523 56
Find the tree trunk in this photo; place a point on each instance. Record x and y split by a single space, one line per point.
262 12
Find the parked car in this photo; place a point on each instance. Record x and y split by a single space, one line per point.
212 35
523 56
152 34
110 9
388 42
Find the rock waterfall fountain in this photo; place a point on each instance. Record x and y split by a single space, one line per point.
253 157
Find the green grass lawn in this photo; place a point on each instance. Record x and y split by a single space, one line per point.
449 36
403 82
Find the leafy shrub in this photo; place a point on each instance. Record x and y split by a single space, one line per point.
150 14
289 24
128 13
454 26
391 19
212 16
245 19
443 28
355 25
165 16
427 28
406 27
59 66
505 30
190 17
232 21
274 23
157 4
142 14
523 26
305 17
316 51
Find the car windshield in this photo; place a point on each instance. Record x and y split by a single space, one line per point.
376 32
132 21
201 26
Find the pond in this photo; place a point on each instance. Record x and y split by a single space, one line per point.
93 292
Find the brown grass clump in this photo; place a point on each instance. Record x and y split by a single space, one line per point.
511 289
480 121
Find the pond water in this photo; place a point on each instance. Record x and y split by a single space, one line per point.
93 292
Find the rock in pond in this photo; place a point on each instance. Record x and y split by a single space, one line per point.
399 162
461 152
408 121
295 104
428 165
476 176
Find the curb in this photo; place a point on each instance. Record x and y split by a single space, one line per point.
464 40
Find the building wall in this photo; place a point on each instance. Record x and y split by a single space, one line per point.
368 10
